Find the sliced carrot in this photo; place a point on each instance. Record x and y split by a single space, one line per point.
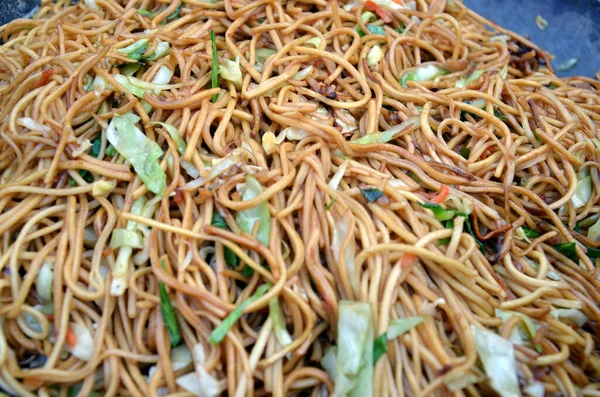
107 251
32 383
45 77
399 2
407 260
381 12
441 196
71 337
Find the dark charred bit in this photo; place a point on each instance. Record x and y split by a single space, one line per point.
394 118
526 59
328 91
444 370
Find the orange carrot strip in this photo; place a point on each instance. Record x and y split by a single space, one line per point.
71 337
439 199
382 13
407 260
45 77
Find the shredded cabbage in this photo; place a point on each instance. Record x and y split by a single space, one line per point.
126 238
92 4
33 125
575 315
352 371
400 326
139 87
301 75
340 233
422 73
103 187
520 333
174 132
84 347
162 48
339 174
264 52
246 219
44 281
374 56
462 83
315 41
141 152
535 389
210 173
200 383
121 265
349 125
230 70
136 50
583 191
503 38
594 231
410 124
280 330
498 358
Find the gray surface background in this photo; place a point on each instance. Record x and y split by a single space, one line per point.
574 30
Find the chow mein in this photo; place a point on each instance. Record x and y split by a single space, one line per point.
293 198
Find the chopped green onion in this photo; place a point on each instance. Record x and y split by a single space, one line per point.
248 271
87 176
230 257
215 64
371 194
530 232
359 31
330 204
168 314
175 14
368 16
219 333
567 249
499 115
376 29
442 214
465 152
380 347
110 151
95 150
147 13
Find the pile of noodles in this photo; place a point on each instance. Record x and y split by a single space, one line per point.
291 197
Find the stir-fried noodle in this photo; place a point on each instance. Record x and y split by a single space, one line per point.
378 198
